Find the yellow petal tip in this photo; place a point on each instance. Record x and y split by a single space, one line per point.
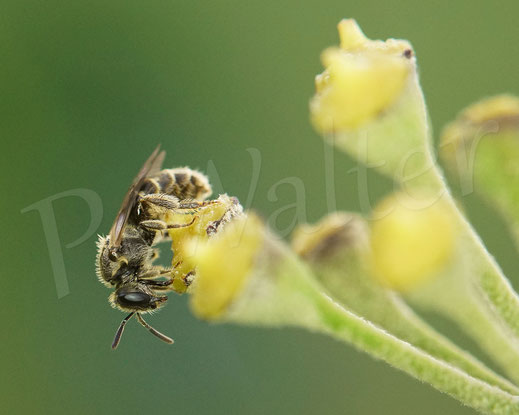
350 34
223 263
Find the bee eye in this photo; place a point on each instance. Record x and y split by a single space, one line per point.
134 299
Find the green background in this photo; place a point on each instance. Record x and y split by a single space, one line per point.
87 91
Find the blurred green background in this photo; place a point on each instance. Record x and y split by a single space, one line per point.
89 88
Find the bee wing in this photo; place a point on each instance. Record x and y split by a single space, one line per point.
150 167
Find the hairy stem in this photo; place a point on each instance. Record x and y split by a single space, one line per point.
346 326
388 311
324 315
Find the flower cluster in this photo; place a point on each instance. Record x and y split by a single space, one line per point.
357 278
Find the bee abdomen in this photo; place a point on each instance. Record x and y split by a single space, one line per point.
182 182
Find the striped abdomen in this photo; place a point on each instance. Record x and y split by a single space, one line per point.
181 182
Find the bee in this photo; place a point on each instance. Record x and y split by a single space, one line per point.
125 256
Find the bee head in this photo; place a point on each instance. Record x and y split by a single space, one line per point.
136 297
109 263
116 266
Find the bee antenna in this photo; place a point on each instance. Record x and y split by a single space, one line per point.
161 336
120 330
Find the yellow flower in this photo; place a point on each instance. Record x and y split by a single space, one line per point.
223 263
181 238
362 78
410 241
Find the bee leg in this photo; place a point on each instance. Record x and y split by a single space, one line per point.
212 228
181 283
193 204
153 224
150 278
153 283
189 278
160 200
156 271
173 203
158 285
160 225
230 213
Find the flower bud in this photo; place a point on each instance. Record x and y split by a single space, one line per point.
481 149
339 234
410 240
362 78
247 275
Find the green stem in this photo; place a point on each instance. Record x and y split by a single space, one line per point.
350 328
388 311
495 287
398 144
457 297
278 290
320 313
490 279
